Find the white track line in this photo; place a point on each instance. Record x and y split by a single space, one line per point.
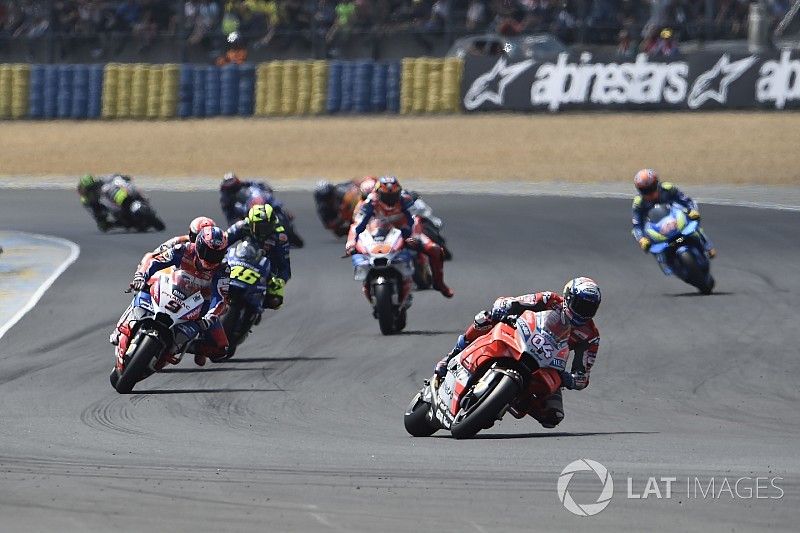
75 251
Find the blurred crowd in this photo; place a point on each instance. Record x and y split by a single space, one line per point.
630 23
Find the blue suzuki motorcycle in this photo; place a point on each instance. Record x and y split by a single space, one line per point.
250 272
677 246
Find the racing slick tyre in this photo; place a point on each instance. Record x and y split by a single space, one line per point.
158 224
484 412
416 418
400 323
384 308
231 323
137 367
694 273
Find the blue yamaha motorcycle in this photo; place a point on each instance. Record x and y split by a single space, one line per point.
250 272
677 246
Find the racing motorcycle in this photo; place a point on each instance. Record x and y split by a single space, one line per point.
163 324
249 272
252 195
137 215
521 358
429 224
385 267
677 246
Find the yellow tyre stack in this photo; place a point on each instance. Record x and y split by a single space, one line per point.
319 87
154 80
274 81
20 90
139 88
289 88
110 87
433 103
5 91
124 92
303 87
170 82
261 90
451 84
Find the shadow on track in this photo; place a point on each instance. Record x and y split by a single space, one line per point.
692 294
202 391
212 369
503 436
275 359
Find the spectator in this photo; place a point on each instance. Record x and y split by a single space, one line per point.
343 24
440 13
476 15
201 16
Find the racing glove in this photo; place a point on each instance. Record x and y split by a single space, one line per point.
581 380
694 214
206 322
139 281
350 249
412 243
440 370
644 244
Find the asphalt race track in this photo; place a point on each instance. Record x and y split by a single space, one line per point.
303 431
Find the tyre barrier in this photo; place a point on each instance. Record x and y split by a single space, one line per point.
277 88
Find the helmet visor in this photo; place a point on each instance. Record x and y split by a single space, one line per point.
584 308
648 189
209 255
390 198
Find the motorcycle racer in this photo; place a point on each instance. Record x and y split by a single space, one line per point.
262 226
336 204
202 260
652 192
578 303
389 202
106 196
229 189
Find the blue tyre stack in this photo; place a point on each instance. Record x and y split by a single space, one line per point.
185 85
199 92
362 86
247 90
94 106
334 100
393 70
348 73
212 91
64 91
378 88
229 89
36 92
80 92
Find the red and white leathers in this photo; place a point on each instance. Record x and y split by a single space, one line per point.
399 216
584 341
213 287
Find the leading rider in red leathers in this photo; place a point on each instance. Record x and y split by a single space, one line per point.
203 261
579 303
388 202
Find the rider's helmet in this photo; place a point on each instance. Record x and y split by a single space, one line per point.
262 221
86 182
197 224
367 186
210 247
581 300
230 181
388 189
646 181
323 190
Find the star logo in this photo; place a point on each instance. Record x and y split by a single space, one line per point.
500 76
713 84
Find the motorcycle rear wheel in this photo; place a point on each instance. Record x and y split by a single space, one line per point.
484 413
136 369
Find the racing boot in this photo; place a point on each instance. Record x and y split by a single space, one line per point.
434 252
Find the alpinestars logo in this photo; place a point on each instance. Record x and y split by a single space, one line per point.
713 84
500 76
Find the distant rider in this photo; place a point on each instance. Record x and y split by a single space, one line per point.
388 202
202 260
107 196
652 192
229 194
261 225
336 204
579 303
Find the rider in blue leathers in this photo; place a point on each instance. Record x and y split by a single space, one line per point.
262 226
652 192
229 190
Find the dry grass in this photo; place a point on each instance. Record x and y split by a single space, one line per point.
691 148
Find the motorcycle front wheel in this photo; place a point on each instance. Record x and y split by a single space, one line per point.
136 369
384 308
484 412
416 418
